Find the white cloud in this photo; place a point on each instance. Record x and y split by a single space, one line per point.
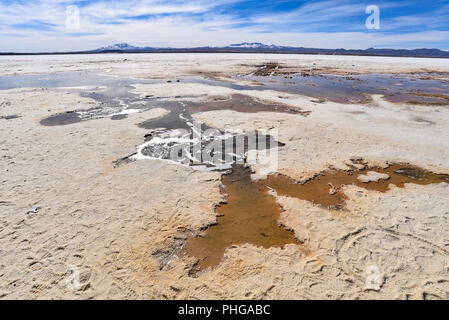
196 23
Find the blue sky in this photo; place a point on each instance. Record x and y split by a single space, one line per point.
41 25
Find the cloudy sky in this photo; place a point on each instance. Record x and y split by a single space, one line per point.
51 25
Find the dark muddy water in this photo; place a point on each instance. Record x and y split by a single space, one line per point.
357 88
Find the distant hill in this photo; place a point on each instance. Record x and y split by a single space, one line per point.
257 47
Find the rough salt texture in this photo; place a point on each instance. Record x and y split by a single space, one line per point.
63 205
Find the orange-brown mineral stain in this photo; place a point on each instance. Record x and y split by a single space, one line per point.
251 214
325 188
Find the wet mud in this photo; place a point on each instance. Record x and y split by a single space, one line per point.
250 215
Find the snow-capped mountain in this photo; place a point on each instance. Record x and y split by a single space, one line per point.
118 46
244 45
252 45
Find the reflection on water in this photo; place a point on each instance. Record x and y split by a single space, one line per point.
357 88
64 79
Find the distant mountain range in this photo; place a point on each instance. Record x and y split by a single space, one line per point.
257 47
